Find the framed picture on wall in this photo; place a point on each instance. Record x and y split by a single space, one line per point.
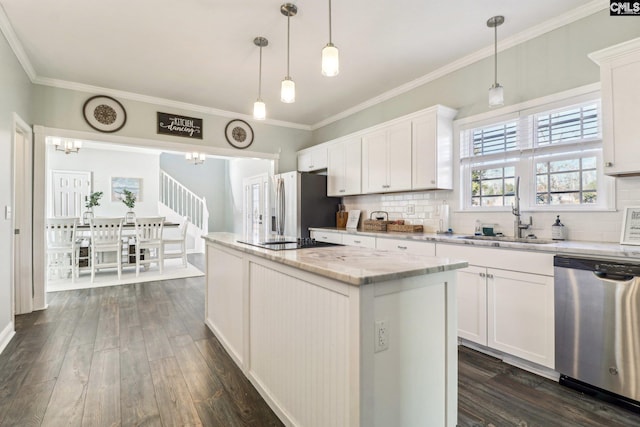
119 184
631 226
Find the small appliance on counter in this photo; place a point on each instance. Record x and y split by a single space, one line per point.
558 230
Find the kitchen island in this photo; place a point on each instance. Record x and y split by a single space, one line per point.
339 336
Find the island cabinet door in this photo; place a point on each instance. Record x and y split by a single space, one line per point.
472 304
224 305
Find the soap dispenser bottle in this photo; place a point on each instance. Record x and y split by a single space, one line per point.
558 230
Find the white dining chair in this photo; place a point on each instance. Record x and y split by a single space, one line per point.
61 247
148 239
180 241
106 244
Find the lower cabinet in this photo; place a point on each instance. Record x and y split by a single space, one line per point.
357 240
520 315
472 304
327 236
507 310
415 246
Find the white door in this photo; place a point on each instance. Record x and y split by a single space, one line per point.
69 191
472 304
254 210
22 213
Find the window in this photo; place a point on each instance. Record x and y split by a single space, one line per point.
556 150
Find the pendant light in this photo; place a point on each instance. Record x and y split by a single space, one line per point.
259 109
288 87
496 92
330 56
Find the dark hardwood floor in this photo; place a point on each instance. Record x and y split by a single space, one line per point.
140 355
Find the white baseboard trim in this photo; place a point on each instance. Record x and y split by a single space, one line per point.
6 335
534 368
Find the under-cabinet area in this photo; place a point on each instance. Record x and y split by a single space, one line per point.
505 297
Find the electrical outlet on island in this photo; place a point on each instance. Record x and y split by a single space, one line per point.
381 335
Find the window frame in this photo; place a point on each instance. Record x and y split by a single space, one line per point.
528 153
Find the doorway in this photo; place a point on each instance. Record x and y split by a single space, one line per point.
70 190
255 208
21 214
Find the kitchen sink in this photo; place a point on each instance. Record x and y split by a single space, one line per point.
531 240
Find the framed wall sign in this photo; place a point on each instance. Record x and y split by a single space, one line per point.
173 124
239 133
353 219
119 184
104 113
631 226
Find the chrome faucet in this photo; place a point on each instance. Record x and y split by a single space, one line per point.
518 225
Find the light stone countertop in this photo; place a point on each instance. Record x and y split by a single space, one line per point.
348 264
588 249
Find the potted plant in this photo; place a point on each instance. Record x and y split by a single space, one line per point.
129 200
90 201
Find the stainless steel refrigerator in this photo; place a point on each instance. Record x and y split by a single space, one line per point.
300 201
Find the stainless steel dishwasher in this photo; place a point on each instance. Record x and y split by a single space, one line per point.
597 324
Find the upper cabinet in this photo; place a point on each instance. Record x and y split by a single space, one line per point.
432 149
619 71
386 159
344 167
312 159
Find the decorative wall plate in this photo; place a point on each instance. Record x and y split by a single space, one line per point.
239 133
104 113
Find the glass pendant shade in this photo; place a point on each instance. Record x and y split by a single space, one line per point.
288 91
259 110
496 95
330 60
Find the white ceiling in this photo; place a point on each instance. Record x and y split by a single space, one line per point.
201 52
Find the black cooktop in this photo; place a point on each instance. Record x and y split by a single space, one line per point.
288 244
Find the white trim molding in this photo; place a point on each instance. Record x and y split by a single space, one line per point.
5 336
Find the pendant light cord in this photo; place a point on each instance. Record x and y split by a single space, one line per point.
260 77
495 54
330 22
288 40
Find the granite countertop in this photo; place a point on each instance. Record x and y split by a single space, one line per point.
567 247
348 264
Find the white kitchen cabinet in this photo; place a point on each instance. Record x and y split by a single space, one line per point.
619 71
358 240
312 159
505 300
406 245
520 315
472 304
344 167
386 159
432 149
327 236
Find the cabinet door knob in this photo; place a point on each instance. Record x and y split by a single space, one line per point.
342 191
490 276
483 275
356 241
402 247
608 164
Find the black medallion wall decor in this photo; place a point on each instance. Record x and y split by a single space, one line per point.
104 113
239 133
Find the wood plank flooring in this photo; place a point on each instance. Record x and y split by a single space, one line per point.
140 355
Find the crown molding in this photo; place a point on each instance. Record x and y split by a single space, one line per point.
571 16
81 87
590 8
16 46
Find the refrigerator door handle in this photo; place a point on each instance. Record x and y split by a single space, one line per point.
280 206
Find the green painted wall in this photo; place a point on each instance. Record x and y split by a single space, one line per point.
15 97
62 108
551 63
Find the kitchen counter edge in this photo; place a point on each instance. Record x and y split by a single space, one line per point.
579 248
348 264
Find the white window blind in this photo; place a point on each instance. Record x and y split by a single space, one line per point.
556 150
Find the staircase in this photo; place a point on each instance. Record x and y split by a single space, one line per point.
177 201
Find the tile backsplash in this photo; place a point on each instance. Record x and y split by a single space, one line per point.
426 208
